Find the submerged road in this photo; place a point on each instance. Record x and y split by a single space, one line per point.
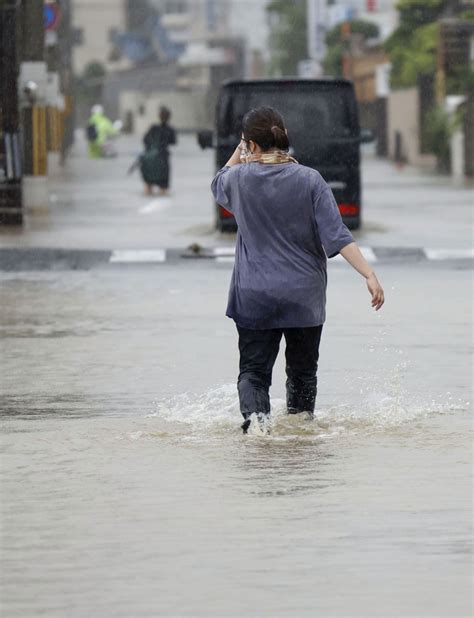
96 205
127 487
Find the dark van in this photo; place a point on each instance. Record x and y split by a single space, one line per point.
323 128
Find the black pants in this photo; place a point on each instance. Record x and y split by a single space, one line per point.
258 352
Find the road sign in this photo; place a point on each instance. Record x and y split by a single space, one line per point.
51 16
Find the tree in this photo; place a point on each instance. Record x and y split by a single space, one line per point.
412 46
437 134
416 13
366 29
288 36
413 57
338 42
89 85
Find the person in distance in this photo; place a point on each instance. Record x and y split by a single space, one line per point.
288 226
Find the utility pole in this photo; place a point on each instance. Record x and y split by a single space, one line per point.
58 55
31 100
66 81
33 86
32 31
315 20
11 207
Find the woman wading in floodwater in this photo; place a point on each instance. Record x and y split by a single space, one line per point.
155 162
289 223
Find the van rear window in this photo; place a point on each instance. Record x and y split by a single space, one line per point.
326 112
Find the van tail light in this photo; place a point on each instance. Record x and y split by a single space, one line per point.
225 214
348 210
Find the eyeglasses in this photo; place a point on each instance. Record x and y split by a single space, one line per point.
244 150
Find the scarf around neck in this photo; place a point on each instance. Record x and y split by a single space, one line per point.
275 156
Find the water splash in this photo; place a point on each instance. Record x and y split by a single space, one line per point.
218 405
377 410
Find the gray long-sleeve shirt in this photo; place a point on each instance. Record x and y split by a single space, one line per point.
289 223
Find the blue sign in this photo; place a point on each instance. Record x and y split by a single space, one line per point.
50 16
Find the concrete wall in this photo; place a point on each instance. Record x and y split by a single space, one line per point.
190 110
146 80
363 74
403 117
250 22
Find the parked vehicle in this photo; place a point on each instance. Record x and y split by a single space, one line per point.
323 127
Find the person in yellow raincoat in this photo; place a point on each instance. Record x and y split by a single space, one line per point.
99 130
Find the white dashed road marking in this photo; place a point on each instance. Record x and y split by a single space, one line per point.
367 252
227 254
449 254
161 203
223 251
144 255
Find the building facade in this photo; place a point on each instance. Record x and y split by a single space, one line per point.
383 13
95 25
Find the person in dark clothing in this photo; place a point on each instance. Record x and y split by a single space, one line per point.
288 226
154 163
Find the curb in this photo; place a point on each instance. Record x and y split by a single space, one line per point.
38 259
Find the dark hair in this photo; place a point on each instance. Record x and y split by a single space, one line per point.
165 114
265 127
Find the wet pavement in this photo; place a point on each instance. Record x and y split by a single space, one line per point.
127 488
96 205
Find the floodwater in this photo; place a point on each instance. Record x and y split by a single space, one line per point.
128 491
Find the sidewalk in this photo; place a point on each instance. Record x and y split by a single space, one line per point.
96 206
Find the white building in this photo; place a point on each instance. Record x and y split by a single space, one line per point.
201 23
323 15
249 20
194 45
95 24
383 13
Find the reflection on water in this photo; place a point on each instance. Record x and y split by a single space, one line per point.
176 513
121 498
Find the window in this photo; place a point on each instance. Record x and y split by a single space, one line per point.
176 6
